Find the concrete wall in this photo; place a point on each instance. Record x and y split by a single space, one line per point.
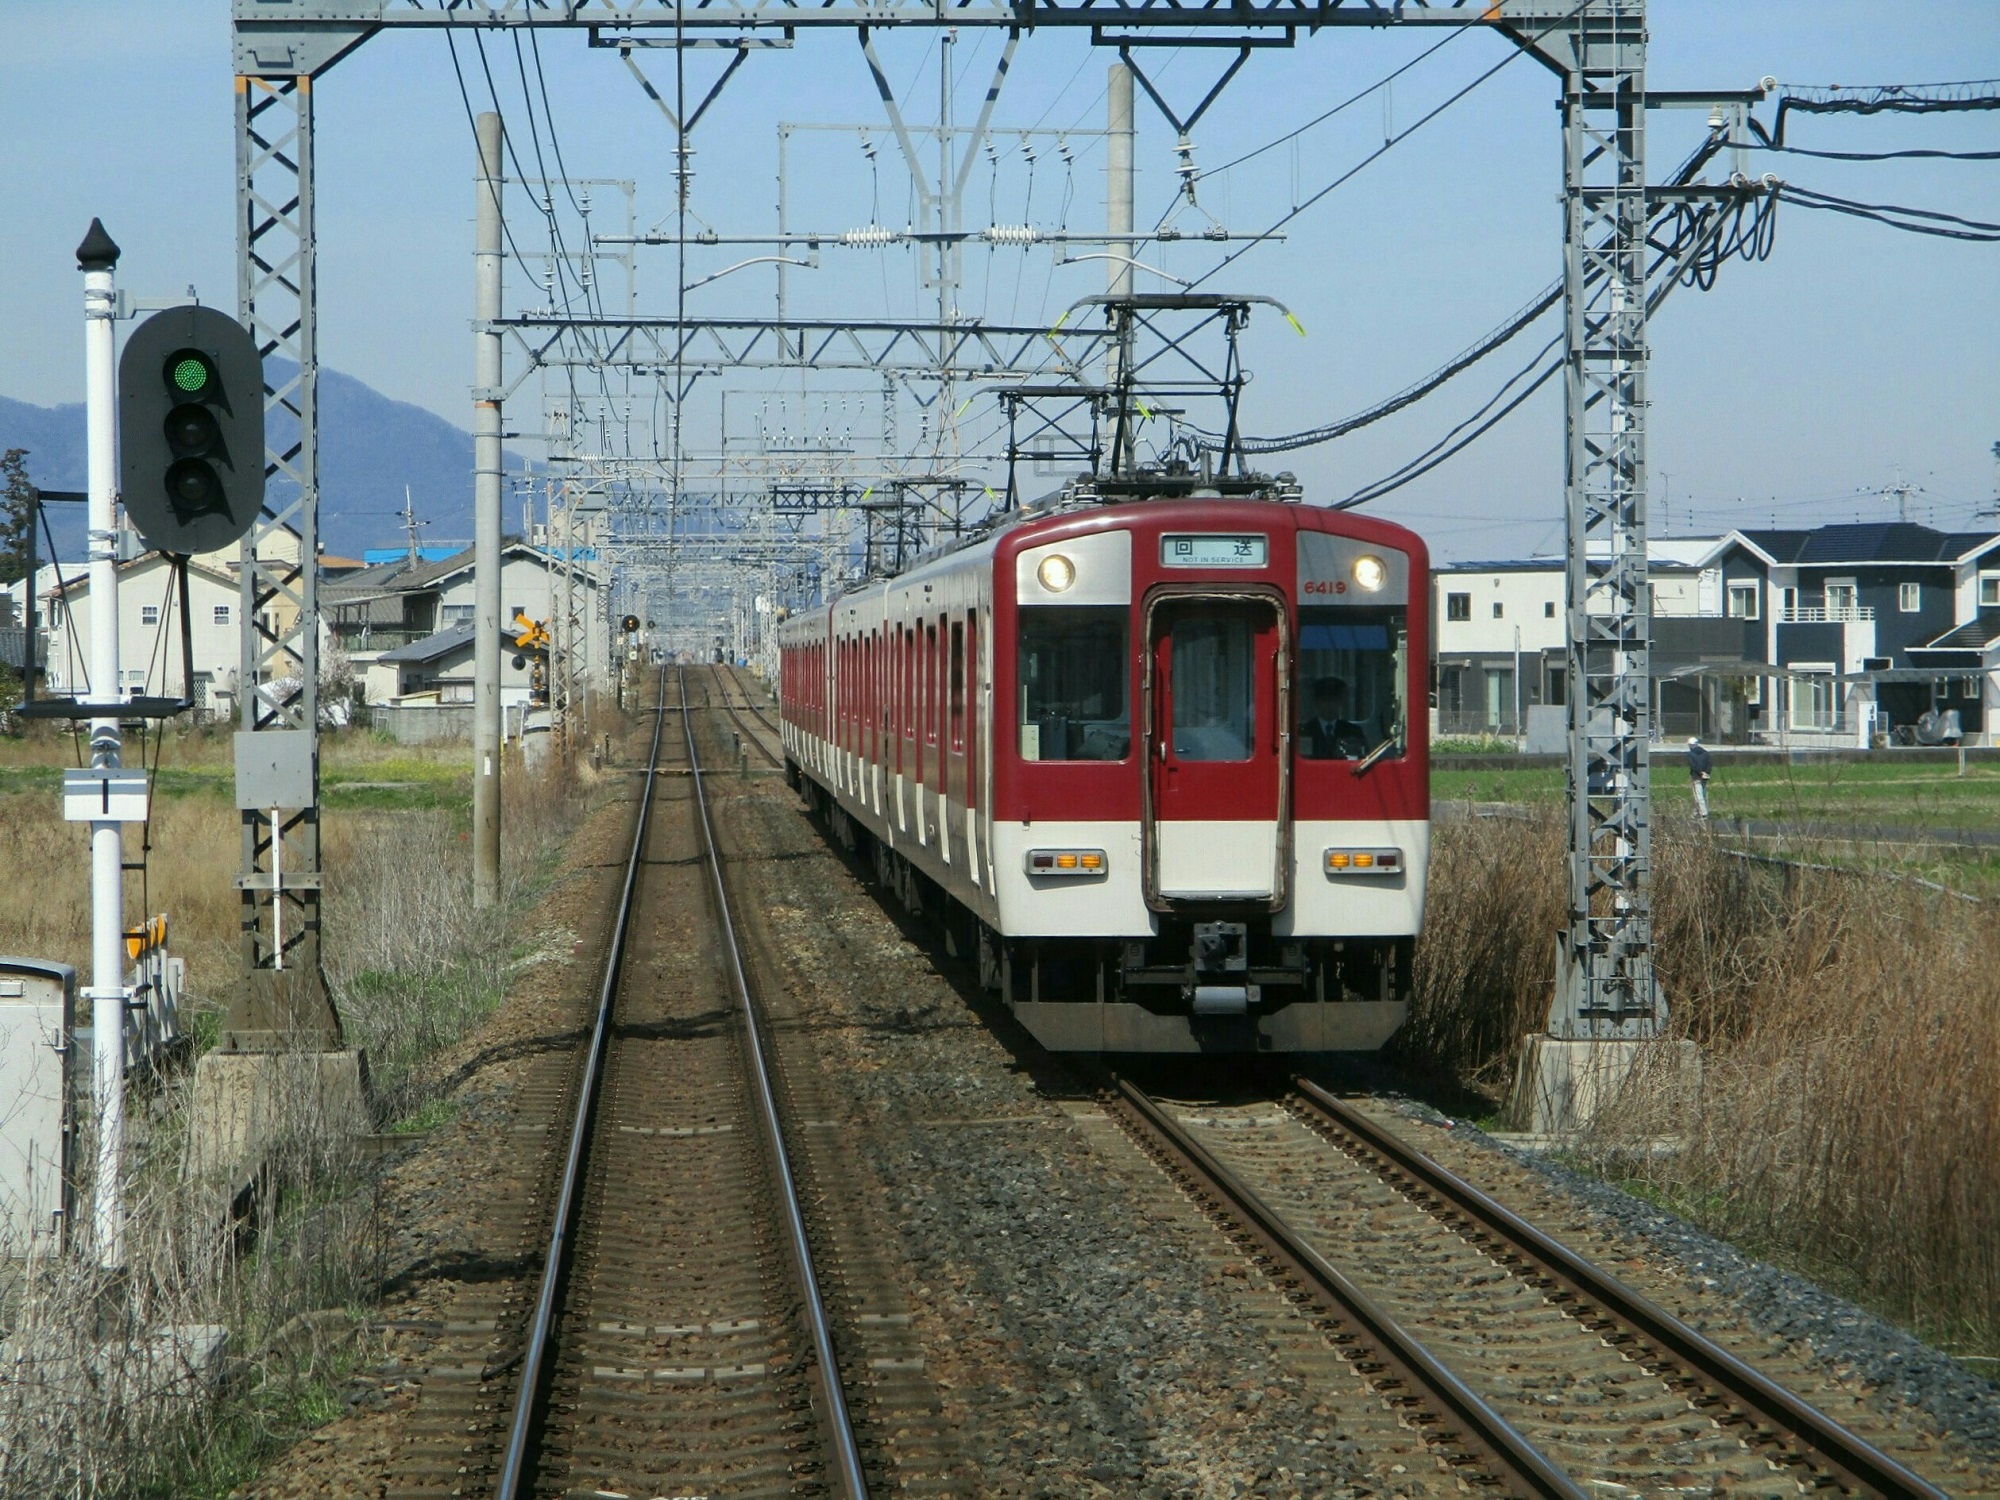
426 725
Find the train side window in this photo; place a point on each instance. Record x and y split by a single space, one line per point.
1351 681
1074 699
931 685
957 685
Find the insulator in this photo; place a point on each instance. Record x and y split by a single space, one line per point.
870 236
1011 234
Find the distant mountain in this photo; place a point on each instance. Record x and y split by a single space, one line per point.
370 447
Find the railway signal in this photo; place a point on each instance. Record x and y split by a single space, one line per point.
191 430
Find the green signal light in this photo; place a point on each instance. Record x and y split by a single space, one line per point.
190 374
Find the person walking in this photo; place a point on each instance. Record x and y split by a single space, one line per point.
1700 764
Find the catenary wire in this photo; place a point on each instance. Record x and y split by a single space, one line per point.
1379 84
1389 144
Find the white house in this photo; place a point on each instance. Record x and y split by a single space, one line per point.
1832 635
149 633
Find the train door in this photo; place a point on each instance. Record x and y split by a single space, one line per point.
1218 788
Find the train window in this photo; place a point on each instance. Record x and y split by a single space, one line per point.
1074 677
1213 687
957 685
1351 673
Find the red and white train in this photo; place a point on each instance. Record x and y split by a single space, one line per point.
1159 758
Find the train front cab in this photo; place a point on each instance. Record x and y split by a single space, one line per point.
1224 843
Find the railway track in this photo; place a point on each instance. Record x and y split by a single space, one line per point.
1528 1368
679 1342
733 691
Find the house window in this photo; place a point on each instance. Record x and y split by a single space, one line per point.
1791 602
1909 597
1813 699
1549 609
1841 598
1742 601
458 614
1498 609
1459 606
1968 688
149 614
1989 590
222 614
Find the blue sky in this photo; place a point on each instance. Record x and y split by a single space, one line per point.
1798 387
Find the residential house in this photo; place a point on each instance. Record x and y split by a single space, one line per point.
149 633
407 626
1830 635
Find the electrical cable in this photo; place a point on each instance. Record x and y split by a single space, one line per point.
1439 452
1387 145
1912 154
1452 35
1976 230
1887 98
1212 441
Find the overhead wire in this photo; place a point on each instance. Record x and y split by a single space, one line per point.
1452 35
1408 396
1913 153
1932 222
1388 144
1459 437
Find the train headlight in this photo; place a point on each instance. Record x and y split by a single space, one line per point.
1370 573
1056 572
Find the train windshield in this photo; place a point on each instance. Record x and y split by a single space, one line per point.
1075 675
1350 686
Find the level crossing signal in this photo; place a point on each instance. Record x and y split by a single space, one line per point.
191 430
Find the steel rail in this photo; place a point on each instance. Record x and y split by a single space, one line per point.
1856 1462
555 1263
839 1427
749 734
1513 1460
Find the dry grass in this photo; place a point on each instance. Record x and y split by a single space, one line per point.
92 1402
1848 1118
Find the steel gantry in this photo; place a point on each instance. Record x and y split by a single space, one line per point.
1605 985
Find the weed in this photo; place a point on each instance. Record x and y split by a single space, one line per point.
1847 1119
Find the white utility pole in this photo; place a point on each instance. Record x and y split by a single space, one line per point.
97 257
1118 181
486 525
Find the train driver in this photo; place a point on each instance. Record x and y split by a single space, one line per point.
1327 733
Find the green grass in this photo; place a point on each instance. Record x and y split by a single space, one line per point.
428 1116
354 773
1862 795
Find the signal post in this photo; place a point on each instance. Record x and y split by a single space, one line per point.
191 429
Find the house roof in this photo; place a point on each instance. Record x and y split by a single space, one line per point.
1868 542
1974 635
79 582
404 577
1507 565
431 648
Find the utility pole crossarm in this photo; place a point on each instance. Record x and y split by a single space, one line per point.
269 24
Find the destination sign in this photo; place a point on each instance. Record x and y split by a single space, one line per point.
1213 551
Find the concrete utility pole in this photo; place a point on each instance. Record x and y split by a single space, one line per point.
1118 180
97 256
486 525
